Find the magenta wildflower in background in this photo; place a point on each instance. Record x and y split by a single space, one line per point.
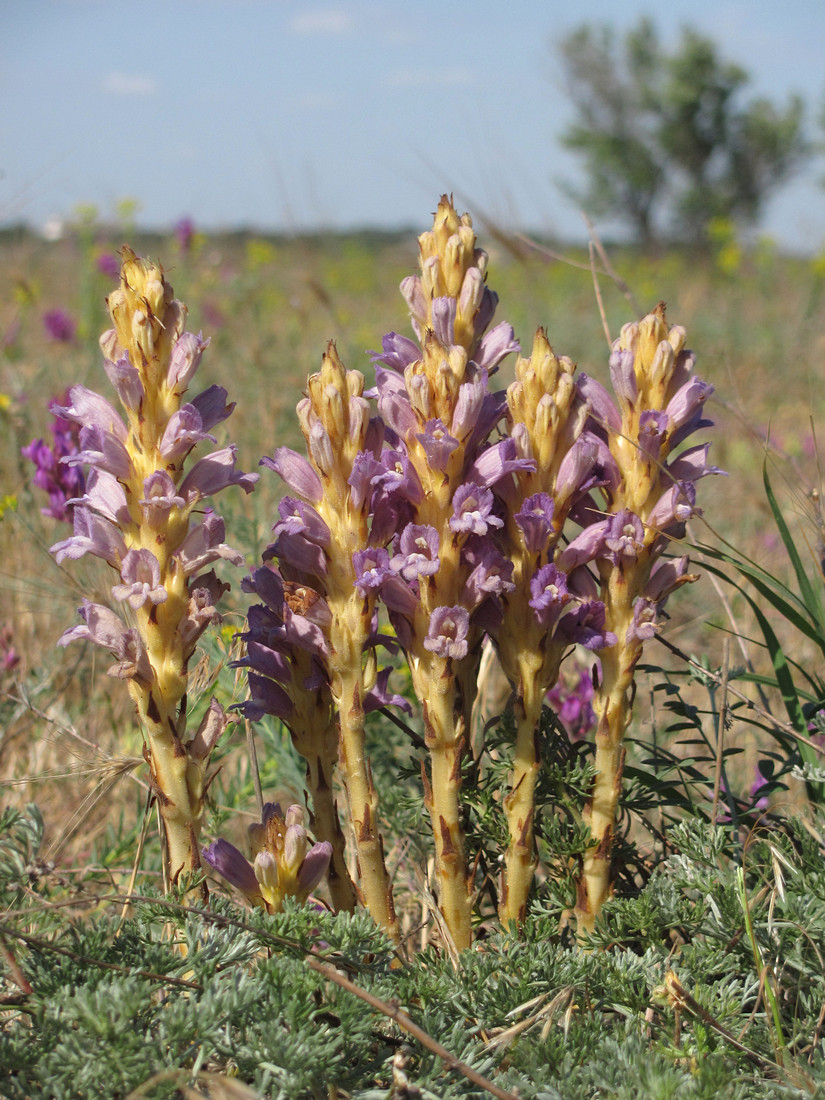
108 265
60 326
572 699
9 657
64 483
185 234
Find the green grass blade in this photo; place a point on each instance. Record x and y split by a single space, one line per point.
810 596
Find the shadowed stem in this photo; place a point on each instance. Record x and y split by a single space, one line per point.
612 702
325 822
177 780
445 734
519 808
347 683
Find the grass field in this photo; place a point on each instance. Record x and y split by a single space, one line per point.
69 740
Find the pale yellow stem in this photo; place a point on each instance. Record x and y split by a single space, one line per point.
374 882
519 807
445 733
178 781
613 704
327 826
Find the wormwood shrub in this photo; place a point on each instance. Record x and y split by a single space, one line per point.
675 1004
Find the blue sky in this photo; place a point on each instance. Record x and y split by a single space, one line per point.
285 114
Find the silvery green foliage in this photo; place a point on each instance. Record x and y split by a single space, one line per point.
113 1008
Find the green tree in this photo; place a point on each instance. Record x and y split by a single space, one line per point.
666 140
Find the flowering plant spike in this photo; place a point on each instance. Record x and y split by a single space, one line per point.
649 494
332 557
443 582
547 609
138 514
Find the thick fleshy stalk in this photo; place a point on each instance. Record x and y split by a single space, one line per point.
136 514
649 496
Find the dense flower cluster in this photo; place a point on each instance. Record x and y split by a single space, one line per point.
648 495
147 516
452 508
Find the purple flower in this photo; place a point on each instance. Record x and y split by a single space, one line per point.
372 567
472 510
103 627
417 552
230 864
498 461
492 575
92 535
60 326
185 234
395 474
498 343
380 696
585 547
398 352
159 497
443 311
549 594
602 408
761 783
535 519
623 374
674 507
643 625
140 574
215 472
298 518
652 429
9 657
284 863
203 545
63 483
108 265
585 626
186 357
437 444
296 471
624 537
571 699
447 635
266 697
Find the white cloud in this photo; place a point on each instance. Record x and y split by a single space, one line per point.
321 21
428 78
129 84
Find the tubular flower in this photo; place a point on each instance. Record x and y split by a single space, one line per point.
649 494
284 862
137 513
435 495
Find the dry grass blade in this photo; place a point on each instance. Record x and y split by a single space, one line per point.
560 1004
215 1086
